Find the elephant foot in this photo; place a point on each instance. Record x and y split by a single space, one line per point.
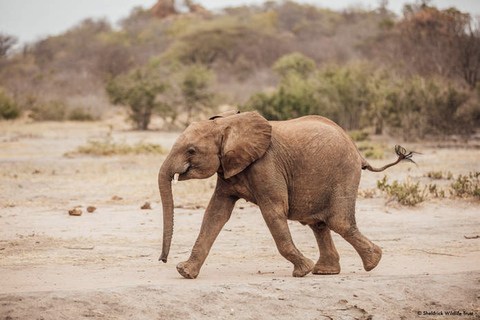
304 268
187 271
326 267
372 259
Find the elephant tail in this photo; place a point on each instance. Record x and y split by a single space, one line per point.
402 155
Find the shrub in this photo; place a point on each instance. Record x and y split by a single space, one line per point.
8 107
294 62
138 91
439 175
468 185
374 154
435 191
359 95
54 110
108 147
358 135
372 150
80 114
195 90
223 41
296 97
406 193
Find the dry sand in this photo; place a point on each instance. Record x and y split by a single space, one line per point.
103 265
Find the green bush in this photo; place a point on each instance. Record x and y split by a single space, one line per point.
371 150
138 90
8 107
374 154
80 114
406 193
294 62
422 106
297 96
358 135
359 95
222 41
467 185
439 175
54 110
435 191
195 83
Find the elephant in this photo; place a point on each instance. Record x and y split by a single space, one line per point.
306 169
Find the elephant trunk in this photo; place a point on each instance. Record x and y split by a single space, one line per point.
165 186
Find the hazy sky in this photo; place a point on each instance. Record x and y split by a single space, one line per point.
30 20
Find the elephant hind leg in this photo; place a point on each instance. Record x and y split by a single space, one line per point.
343 223
329 261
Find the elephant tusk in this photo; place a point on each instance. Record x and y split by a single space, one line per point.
175 178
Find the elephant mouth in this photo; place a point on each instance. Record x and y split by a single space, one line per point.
178 175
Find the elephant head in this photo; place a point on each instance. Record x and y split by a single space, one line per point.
227 143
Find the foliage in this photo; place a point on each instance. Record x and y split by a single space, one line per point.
430 41
359 95
372 150
374 154
435 191
108 147
6 43
406 193
297 96
364 69
195 89
54 110
8 107
138 91
467 185
358 135
427 106
439 175
296 63
80 114
223 41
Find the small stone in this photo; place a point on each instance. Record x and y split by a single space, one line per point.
91 209
146 206
117 198
75 212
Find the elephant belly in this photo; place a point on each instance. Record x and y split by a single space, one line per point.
308 206
313 193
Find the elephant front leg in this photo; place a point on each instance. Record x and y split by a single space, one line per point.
216 215
277 223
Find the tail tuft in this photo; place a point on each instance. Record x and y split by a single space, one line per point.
403 155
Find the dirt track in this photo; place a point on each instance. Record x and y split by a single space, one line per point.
103 265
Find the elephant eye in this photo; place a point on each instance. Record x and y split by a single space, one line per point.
191 151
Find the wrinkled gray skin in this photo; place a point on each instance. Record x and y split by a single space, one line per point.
306 169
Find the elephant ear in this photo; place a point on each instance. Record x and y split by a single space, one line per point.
246 138
225 114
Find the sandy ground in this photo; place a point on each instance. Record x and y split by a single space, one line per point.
103 265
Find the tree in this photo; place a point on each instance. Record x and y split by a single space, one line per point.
6 43
445 42
194 86
138 90
296 63
8 107
297 94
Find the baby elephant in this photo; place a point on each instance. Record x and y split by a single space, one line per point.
306 169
